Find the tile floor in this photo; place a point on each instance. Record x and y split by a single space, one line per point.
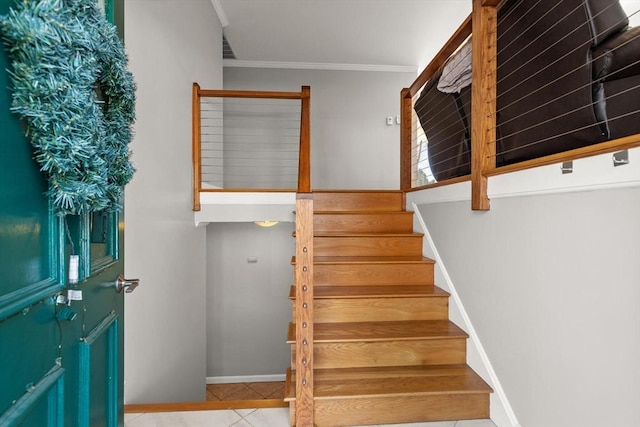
245 391
273 417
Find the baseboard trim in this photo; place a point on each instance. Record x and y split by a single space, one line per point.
204 406
246 379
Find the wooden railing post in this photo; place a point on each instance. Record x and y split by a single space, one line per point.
196 148
304 271
405 139
483 96
304 311
304 161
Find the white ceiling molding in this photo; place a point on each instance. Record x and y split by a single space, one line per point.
222 17
238 63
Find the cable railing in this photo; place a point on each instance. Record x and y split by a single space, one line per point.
550 81
250 141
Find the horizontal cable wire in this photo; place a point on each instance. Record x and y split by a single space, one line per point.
453 124
539 55
521 33
431 165
569 132
421 111
531 76
588 85
511 10
575 90
442 171
249 143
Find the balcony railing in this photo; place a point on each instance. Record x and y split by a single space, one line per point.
250 141
528 105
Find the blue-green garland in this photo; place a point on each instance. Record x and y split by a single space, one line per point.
71 85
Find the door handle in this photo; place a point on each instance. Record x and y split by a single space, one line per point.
128 285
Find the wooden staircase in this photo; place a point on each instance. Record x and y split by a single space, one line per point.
384 350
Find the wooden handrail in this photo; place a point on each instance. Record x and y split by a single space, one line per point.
215 93
619 144
454 42
406 114
195 145
304 159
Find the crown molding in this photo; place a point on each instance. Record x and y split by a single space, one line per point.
238 63
222 17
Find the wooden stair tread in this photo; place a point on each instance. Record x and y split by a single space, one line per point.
404 330
410 259
392 381
362 234
365 234
374 291
409 213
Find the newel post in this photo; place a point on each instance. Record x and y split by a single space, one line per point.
405 139
304 409
304 161
483 99
195 145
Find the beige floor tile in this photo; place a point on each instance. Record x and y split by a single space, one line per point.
245 391
269 389
222 391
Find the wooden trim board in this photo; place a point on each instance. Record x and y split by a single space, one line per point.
204 406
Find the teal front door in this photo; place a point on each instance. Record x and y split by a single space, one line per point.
60 361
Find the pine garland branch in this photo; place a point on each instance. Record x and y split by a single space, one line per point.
71 86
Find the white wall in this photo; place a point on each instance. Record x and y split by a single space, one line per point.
248 307
351 145
171 44
631 7
550 281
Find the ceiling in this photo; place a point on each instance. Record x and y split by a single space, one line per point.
381 34
404 34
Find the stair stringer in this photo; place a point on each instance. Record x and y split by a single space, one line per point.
502 413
